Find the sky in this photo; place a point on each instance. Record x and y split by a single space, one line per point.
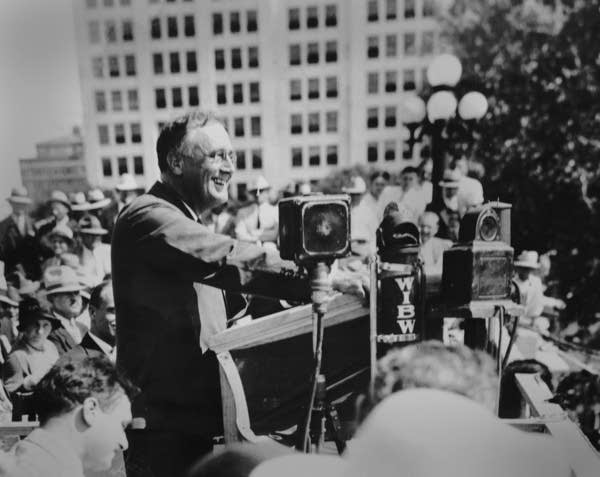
39 81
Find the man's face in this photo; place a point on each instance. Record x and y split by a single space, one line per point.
105 435
408 180
377 186
19 209
59 210
104 317
90 241
523 273
207 166
59 245
67 304
429 228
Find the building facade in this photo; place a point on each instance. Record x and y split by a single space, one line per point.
303 86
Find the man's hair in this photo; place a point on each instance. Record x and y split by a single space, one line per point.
72 380
378 174
409 170
98 294
172 134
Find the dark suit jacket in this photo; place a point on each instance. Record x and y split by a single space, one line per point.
62 339
158 253
16 249
88 348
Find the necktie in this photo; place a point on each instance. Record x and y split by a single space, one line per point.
258 217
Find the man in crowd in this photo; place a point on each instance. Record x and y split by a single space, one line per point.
363 222
530 286
83 408
259 222
16 232
9 315
377 183
470 190
432 247
59 207
408 194
94 255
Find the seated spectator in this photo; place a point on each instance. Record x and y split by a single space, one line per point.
61 241
94 255
530 286
84 407
62 289
432 247
32 356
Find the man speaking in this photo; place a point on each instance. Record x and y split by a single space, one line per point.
169 272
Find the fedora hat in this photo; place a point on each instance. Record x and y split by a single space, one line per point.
96 199
31 310
127 183
61 279
59 196
259 184
357 186
61 231
528 259
451 178
90 224
78 202
19 195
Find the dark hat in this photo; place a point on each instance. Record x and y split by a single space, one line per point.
90 224
31 310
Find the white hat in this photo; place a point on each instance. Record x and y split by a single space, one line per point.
97 199
78 202
19 195
61 279
259 184
528 259
127 183
357 186
451 178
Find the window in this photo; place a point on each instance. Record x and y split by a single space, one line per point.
221 94
98 67
372 47
427 43
117 102
254 92
332 121
389 151
240 161
313 123
294 18
110 30
122 165
312 55
193 99
295 90
125 3
428 8
238 127
330 15
91 3
130 65
190 61
332 155
160 98
177 97
100 99
113 66
391 11
242 192
157 63
256 159
236 58
238 93
251 23
314 156
109 3
94 31
136 132
409 8
391 80
390 116
294 55
332 86
220 59
372 11
410 47
372 83
217 23
107 167
372 118
174 62
312 17
172 29
391 47
255 126
234 22
407 151
296 157
127 30
188 25
120 133
372 152
296 124
313 88
155 28
409 80
138 165
331 52
132 99
252 57
103 134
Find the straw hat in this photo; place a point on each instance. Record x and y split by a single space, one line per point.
78 202
259 184
127 183
357 186
59 196
91 225
19 195
96 199
528 259
61 231
61 279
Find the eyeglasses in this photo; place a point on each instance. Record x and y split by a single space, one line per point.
217 156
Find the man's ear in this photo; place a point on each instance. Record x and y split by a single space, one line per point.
175 162
90 411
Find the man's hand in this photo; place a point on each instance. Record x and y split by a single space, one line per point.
351 283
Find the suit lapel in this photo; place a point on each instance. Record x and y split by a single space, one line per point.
165 192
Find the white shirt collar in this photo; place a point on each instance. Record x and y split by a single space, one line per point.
191 211
104 346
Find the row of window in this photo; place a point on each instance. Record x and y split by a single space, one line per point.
173 58
388 151
177 99
135 130
314 88
172 27
240 127
391 9
314 155
111 66
235 22
251 159
107 3
237 93
391 81
389 115
312 53
313 122
116 100
312 17
236 58
111 33
410 45
123 166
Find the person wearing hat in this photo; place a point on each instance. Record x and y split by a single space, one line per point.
127 190
259 221
59 240
17 234
530 285
448 213
60 207
62 288
94 255
362 220
9 315
470 190
104 208
432 247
